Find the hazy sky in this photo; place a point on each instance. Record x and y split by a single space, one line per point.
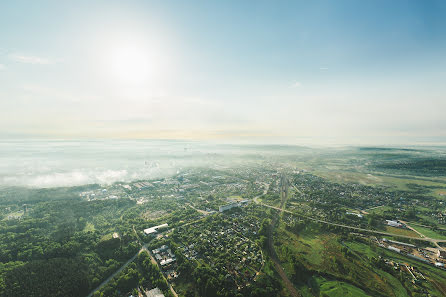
254 71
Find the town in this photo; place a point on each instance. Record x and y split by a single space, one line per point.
202 229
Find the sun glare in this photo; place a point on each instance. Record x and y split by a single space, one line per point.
131 64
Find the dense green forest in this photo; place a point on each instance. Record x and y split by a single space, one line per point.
63 241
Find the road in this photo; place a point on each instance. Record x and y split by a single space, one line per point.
143 248
277 265
434 241
407 225
117 271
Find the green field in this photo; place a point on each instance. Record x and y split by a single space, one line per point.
435 275
439 193
428 232
379 210
323 252
397 182
338 289
399 231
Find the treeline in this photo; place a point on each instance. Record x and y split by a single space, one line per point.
32 195
428 166
50 247
53 277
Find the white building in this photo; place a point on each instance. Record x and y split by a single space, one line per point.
160 249
153 230
394 224
167 261
394 249
355 214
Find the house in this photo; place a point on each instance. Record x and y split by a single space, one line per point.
160 249
167 261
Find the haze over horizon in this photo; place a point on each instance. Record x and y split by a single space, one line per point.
296 72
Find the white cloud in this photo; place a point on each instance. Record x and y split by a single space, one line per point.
296 84
28 59
2 66
323 68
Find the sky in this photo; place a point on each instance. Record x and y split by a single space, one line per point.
297 72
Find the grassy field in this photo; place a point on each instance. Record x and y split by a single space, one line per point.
435 275
379 210
428 232
236 197
338 289
349 274
324 252
358 247
396 182
399 231
439 193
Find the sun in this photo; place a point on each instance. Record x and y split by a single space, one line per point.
131 64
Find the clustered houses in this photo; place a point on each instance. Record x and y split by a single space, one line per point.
223 243
166 260
320 198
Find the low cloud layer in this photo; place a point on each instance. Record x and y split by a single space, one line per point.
29 59
42 164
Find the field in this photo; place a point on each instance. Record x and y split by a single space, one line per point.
396 182
436 276
428 232
400 231
338 289
439 193
379 210
323 252
345 267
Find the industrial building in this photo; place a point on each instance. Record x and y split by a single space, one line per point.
154 230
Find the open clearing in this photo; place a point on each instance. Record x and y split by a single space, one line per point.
339 289
400 231
428 232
